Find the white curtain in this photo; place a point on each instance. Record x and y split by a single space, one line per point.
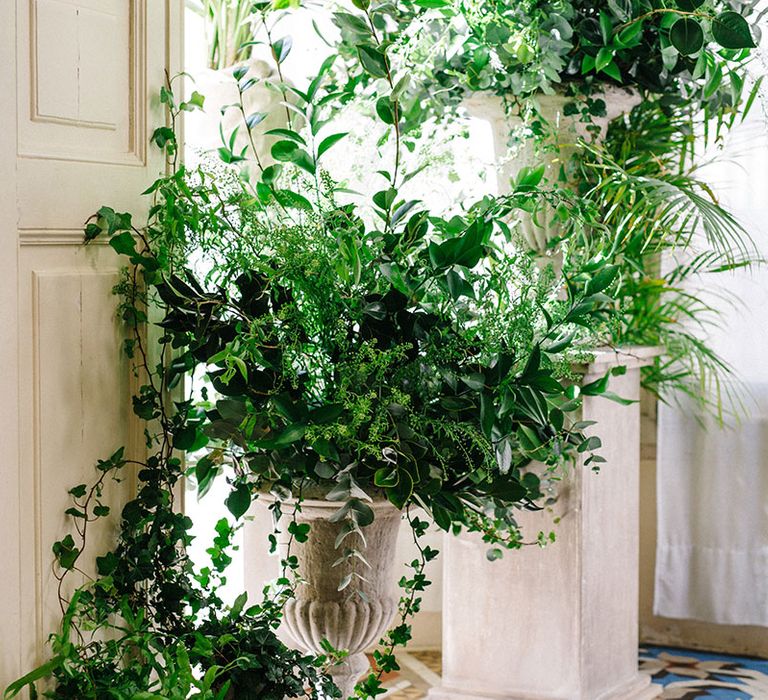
712 549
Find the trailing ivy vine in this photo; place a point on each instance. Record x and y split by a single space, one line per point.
356 347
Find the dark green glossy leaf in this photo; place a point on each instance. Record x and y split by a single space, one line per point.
687 36
731 31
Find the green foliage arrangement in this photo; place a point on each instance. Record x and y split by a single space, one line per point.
653 205
691 52
148 624
362 347
358 350
640 196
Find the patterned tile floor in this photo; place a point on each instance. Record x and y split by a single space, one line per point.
682 674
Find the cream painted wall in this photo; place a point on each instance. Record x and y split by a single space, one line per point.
78 80
10 622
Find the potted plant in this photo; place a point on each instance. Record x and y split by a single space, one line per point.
549 76
359 359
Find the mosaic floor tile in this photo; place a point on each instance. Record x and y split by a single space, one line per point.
687 675
682 674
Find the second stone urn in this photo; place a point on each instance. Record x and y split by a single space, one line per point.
515 149
352 619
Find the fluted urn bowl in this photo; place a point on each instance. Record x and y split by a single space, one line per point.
352 619
513 152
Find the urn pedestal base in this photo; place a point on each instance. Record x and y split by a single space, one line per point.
355 618
559 623
349 672
639 689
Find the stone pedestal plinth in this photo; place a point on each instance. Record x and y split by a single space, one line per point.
559 623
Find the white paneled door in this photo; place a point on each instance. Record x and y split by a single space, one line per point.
78 80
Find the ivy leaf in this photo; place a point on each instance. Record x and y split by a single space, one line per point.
299 530
689 5
239 501
731 31
373 60
163 136
687 36
123 243
185 437
431 4
197 99
78 491
107 564
65 552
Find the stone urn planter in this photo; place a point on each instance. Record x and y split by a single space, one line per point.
514 149
355 618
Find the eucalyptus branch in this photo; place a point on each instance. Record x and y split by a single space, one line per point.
277 59
395 101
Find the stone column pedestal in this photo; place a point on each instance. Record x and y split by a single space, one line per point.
559 623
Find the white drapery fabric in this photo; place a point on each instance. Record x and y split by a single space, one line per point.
712 547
